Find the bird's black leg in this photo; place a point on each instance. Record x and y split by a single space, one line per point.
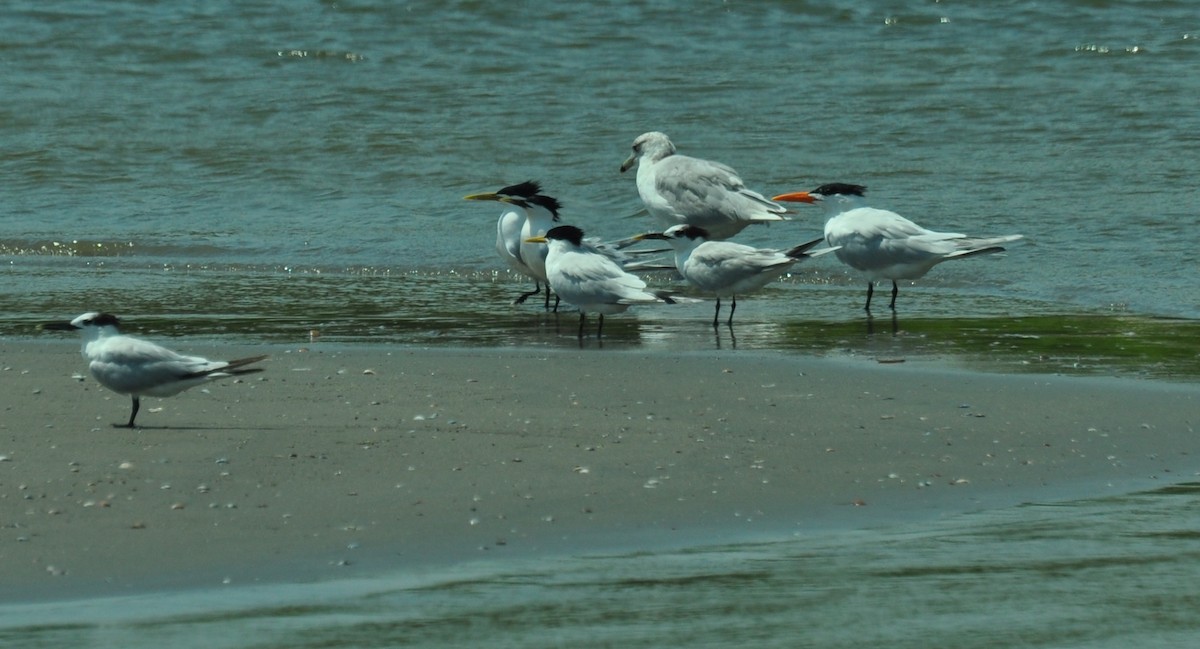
556 299
717 314
870 292
732 308
600 327
537 288
137 404
582 318
895 290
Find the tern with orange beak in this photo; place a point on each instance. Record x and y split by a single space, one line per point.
883 244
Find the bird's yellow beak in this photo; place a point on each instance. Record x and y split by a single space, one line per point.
650 235
629 162
491 196
795 197
536 240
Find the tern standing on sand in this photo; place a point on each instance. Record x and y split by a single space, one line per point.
679 189
139 368
883 244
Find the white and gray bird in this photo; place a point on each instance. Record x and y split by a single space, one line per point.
531 214
883 244
139 368
728 269
589 279
679 189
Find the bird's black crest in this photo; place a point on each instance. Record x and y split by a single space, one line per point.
549 202
527 189
106 319
566 233
844 189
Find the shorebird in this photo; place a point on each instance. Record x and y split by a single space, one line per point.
883 244
139 368
679 189
725 268
531 214
589 279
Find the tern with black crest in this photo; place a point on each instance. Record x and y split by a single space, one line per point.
883 244
531 214
728 269
139 368
590 280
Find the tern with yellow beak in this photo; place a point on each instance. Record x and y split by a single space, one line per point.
531 214
587 278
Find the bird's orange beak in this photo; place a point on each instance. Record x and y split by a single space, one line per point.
795 197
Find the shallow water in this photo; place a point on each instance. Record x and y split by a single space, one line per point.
1115 571
278 171
290 172
150 147
796 315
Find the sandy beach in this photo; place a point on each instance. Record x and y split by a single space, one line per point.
348 460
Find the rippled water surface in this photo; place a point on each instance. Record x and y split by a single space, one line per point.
149 145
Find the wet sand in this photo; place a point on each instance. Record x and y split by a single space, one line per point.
340 461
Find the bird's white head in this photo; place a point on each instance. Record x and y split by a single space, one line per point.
685 231
91 324
651 147
681 237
